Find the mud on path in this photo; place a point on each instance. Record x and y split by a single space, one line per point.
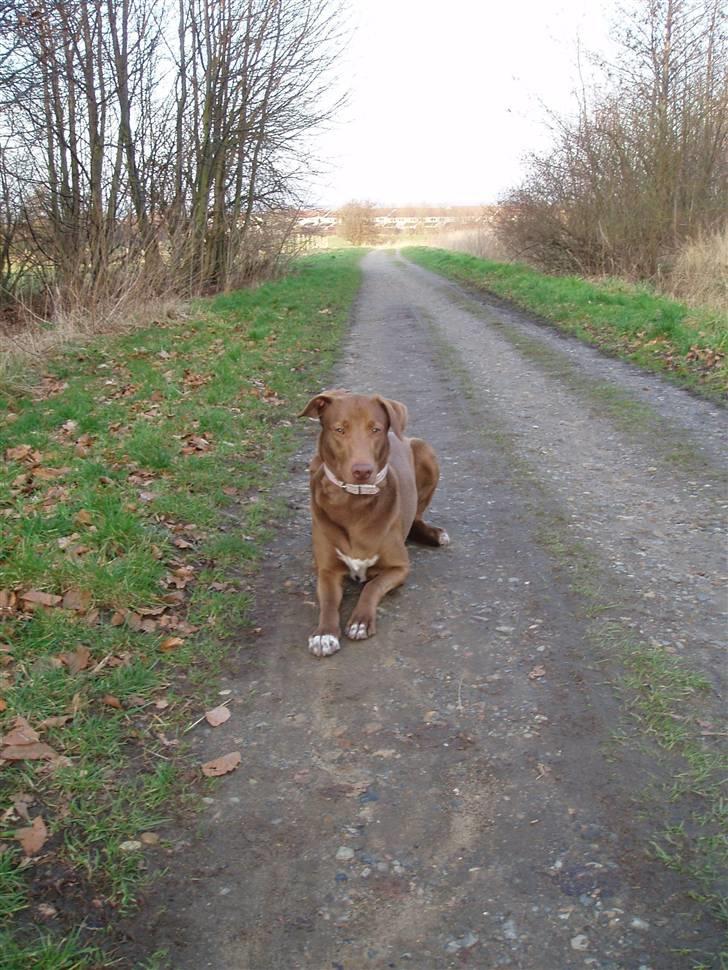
450 792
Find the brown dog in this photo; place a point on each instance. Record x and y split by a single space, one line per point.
370 487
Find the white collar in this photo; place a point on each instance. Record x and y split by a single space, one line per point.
358 489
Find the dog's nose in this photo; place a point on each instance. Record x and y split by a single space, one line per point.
361 472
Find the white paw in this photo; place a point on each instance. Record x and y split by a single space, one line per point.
323 644
444 538
357 631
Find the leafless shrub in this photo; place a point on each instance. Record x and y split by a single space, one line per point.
643 166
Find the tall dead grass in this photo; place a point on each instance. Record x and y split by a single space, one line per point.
699 275
28 339
482 242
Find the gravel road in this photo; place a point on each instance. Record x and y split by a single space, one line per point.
467 788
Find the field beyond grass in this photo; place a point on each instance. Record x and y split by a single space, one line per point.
134 495
689 344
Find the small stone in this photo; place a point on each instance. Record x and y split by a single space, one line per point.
341 877
579 942
461 943
149 838
344 854
133 845
639 924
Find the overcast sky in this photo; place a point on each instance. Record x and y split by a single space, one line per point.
445 96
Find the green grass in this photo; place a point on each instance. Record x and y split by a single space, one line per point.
170 429
691 345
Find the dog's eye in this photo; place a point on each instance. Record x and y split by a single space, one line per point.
339 430
375 429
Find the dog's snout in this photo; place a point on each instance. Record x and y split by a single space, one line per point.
361 471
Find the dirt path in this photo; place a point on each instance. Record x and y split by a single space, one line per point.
418 800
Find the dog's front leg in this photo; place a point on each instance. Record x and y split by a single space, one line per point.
325 639
363 621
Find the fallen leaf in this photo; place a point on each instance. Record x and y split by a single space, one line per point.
46 911
221 766
18 453
57 720
76 661
112 701
20 733
28 752
170 643
139 623
83 517
21 803
3 704
537 672
33 838
134 700
217 716
132 845
35 597
76 599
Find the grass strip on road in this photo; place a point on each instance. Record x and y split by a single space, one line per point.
660 334
134 480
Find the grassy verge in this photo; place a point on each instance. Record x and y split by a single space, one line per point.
653 331
135 477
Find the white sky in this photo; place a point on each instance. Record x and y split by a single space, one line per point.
445 96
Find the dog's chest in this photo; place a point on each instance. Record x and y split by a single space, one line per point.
357 567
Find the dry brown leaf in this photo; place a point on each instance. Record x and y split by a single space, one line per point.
217 716
170 643
28 752
112 701
77 599
18 453
46 474
57 720
221 766
35 597
33 838
76 661
3 704
83 517
21 803
20 733
117 619
538 671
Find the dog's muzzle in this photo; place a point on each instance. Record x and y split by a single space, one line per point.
372 489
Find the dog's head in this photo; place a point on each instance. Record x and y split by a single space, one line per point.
354 440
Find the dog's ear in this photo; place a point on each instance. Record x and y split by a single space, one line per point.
315 407
397 413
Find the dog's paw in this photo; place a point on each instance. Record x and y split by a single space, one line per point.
323 644
359 629
443 538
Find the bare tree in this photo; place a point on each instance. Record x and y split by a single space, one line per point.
161 140
357 223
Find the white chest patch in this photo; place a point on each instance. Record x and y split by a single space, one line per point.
357 567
